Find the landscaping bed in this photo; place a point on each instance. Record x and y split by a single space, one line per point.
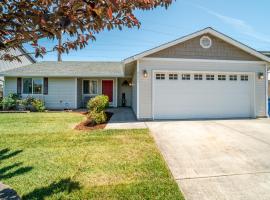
89 125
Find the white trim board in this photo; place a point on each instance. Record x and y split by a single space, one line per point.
202 60
193 35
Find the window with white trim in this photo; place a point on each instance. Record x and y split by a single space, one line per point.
173 76
210 77
222 77
32 85
233 77
160 76
244 77
90 87
198 77
185 76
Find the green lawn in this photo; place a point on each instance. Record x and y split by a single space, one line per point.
42 157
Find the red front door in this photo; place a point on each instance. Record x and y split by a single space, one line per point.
107 89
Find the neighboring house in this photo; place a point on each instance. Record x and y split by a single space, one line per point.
203 75
7 65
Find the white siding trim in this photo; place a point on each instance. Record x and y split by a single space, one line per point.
116 92
266 90
202 60
138 89
254 96
76 92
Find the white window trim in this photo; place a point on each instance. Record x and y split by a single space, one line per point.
32 93
90 94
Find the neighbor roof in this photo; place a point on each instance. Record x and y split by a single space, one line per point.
69 69
208 30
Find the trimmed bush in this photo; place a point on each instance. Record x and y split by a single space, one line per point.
98 117
10 102
96 107
38 105
98 103
13 102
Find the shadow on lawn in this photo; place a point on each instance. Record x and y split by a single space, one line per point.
6 172
64 185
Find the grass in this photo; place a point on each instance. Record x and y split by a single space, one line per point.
42 157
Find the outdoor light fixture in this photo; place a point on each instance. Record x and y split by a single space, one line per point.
145 74
260 75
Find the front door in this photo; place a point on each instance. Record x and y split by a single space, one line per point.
107 89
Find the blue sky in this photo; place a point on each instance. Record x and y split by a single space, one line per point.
245 21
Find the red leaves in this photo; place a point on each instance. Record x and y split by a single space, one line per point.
29 21
110 13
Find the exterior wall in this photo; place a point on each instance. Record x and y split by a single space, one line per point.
219 50
10 86
268 89
134 91
99 80
79 93
62 93
145 84
124 89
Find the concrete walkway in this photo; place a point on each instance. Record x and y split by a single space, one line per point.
218 159
6 193
124 118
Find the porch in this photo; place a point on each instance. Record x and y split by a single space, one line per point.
119 90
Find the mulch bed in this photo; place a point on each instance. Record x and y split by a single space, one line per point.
87 124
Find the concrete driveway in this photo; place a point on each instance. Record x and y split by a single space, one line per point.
221 159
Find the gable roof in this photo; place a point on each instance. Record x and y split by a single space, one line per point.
208 30
68 69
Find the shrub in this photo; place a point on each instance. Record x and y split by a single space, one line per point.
96 107
10 102
98 117
98 103
1 105
38 105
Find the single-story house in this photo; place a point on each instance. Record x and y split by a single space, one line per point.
26 59
202 75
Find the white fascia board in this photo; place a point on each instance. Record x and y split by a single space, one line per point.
203 60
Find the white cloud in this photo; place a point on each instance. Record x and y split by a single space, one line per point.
238 24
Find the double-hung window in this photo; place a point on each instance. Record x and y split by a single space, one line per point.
32 85
90 87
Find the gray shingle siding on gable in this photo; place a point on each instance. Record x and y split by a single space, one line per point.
191 49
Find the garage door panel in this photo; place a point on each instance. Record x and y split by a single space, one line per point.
186 99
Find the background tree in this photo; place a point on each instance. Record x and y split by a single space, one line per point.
28 21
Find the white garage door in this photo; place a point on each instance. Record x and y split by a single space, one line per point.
181 95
